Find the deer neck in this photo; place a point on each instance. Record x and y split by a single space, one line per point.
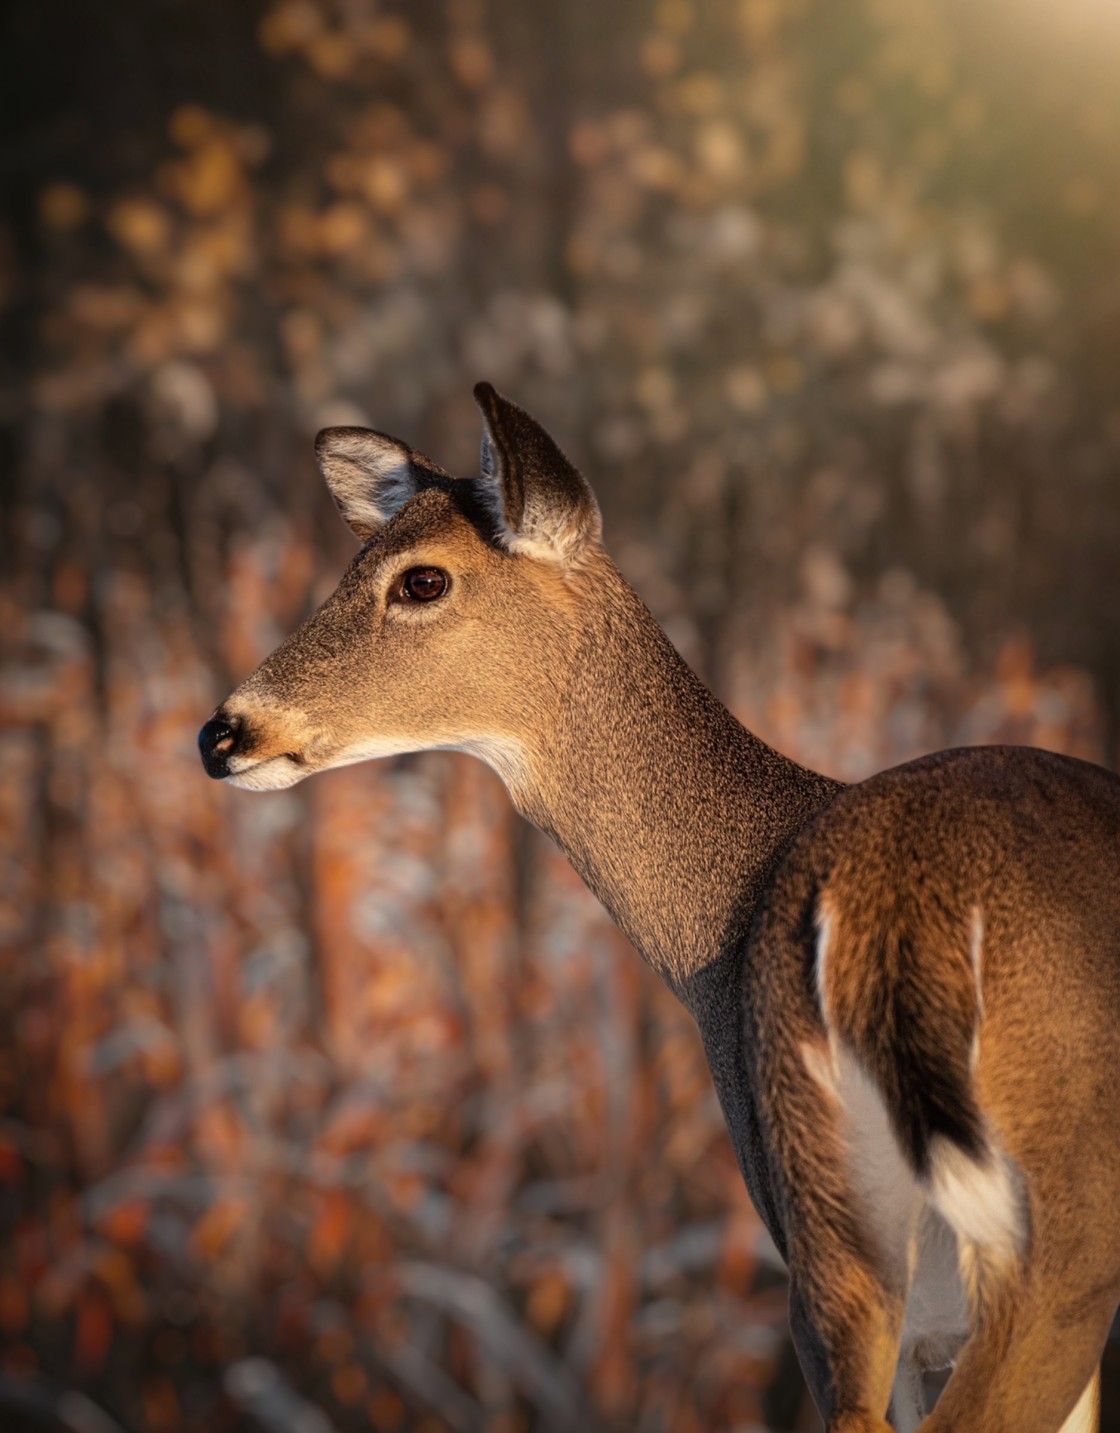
671 811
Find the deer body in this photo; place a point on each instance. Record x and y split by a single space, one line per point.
908 989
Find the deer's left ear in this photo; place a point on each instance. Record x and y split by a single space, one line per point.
542 505
372 476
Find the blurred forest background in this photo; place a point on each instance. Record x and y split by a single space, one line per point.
346 1108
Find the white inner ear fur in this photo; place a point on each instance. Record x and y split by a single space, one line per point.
370 476
557 536
542 541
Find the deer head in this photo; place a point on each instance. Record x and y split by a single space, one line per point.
448 628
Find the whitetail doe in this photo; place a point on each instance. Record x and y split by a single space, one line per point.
908 989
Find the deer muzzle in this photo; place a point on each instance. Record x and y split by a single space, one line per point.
218 742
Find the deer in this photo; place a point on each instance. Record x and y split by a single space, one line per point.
907 988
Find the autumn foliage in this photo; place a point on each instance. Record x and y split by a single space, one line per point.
347 1107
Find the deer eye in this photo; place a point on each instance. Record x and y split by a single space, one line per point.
423 584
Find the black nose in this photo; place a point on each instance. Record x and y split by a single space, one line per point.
217 741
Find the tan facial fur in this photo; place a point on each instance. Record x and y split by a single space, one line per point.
373 673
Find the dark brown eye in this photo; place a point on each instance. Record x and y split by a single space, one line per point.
423 584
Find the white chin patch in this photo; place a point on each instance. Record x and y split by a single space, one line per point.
271 775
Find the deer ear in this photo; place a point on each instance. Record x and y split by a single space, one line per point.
372 476
541 504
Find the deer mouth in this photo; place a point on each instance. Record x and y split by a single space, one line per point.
273 773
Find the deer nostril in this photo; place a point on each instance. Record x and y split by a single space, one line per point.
217 742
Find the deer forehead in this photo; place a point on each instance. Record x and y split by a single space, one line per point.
434 521
445 528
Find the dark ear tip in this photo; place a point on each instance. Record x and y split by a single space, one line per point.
486 396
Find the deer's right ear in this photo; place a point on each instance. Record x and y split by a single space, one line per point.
370 475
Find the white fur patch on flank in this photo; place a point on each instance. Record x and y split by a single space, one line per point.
980 1200
976 960
908 1404
889 1193
826 922
824 1064
937 1320
818 1061
976 955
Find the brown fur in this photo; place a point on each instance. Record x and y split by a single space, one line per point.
949 931
1033 840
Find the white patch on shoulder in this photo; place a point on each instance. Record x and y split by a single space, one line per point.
981 1200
